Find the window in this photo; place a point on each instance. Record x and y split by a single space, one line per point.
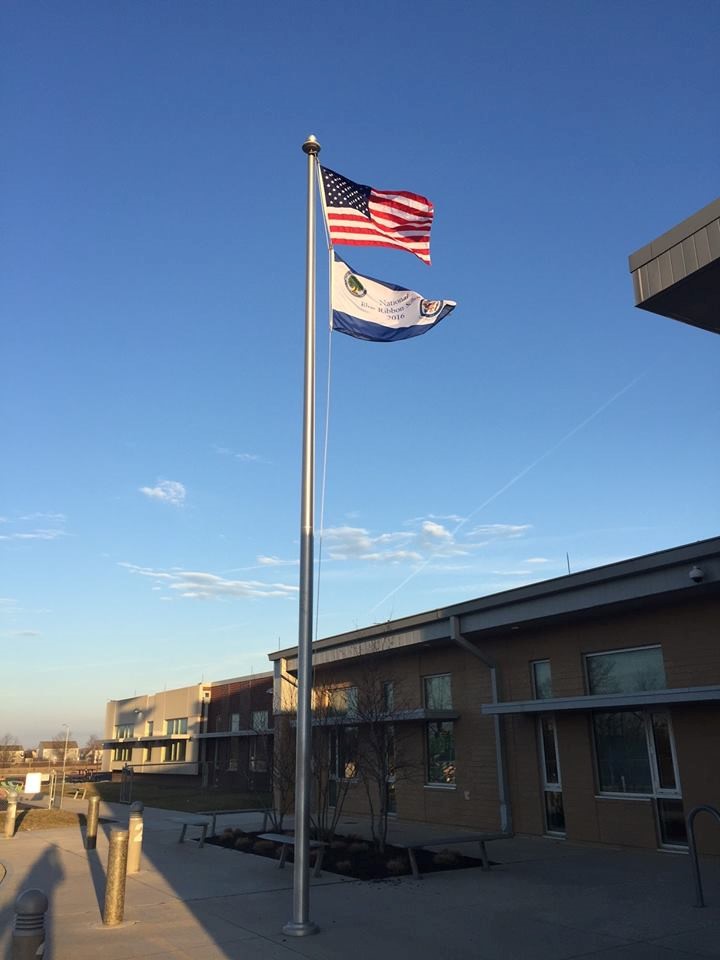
550 773
259 720
124 731
626 671
622 753
148 754
438 695
234 722
441 752
149 724
343 753
175 752
176 725
440 734
123 754
388 696
257 761
542 679
343 701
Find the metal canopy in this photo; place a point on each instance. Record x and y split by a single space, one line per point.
678 275
606 701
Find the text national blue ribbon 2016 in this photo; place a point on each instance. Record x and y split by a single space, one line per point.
370 309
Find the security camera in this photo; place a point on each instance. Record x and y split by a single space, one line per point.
696 575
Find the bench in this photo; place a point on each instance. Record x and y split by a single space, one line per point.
288 841
214 814
412 845
201 822
78 793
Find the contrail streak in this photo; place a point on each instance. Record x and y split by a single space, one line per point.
518 476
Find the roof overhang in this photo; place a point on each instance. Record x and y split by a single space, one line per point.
652 579
608 701
678 275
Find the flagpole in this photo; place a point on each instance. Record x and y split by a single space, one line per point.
301 925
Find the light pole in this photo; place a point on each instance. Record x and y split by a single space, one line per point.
62 788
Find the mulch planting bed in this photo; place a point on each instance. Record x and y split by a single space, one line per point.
351 856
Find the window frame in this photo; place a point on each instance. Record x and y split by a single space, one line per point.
171 721
437 676
619 650
440 784
533 675
175 746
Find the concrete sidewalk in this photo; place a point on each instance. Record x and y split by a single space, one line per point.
545 899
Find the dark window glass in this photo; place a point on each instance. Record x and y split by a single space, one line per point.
672 823
438 695
622 753
542 680
663 751
550 760
627 671
441 751
554 812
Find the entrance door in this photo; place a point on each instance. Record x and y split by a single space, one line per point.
550 776
666 782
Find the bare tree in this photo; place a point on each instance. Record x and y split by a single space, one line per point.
281 770
8 743
334 755
60 744
93 744
385 752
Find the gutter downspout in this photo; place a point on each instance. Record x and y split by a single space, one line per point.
503 790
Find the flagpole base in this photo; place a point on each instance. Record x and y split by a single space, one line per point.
304 928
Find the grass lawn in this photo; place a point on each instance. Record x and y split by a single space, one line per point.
177 797
33 818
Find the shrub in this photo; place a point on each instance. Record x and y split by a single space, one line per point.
396 866
338 845
243 843
446 858
263 846
360 847
343 866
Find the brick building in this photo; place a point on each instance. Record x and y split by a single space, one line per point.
584 707
236 743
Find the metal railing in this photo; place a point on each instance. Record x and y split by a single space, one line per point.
702 808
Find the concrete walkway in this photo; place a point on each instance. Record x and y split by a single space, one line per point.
545 899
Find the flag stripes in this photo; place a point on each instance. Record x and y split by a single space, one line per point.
359 215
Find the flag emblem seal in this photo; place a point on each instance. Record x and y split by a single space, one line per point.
354 286
428 308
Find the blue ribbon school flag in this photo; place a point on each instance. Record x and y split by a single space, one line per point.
370 309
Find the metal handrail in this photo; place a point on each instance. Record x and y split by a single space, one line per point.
700 900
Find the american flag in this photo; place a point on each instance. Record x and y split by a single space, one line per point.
365 217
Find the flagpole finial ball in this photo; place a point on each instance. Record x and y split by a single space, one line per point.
311 146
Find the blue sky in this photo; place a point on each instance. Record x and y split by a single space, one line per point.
152 297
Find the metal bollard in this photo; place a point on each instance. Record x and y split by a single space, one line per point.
116 871
28 939
10 816
92 823
135 829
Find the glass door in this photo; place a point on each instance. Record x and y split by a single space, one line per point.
550 776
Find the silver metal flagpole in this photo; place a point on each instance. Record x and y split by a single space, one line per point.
301 925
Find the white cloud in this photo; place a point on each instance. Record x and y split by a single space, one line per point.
357 543
197 585
500 531
537 560
168 491
275 562
17 527
242 457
